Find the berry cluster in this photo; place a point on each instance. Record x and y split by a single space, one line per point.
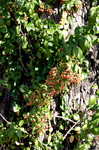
57 80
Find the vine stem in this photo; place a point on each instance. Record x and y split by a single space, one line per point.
65 119
71 129
4 119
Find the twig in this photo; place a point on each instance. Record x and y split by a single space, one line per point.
4 119
65 119
71 129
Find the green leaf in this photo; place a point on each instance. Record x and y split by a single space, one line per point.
77 129
95 131
94 12
92 100
85 42
24 42
76 117
2 22
77 52
97 92
16 108
21 123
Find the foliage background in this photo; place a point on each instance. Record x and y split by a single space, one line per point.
40 62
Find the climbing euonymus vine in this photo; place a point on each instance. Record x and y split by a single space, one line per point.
42 56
